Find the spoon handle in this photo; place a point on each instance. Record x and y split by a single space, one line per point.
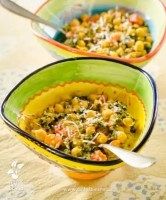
131 158
18 10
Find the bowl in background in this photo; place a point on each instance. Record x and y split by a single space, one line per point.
62 13
96 70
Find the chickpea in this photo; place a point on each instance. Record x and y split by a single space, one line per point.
76 107
85 24
123 46
75 101
141 32
132 32
68 110
82 48
74 29
114 47
149 39
84 104
73 116
120 51
144 52
128 121
113 54
75 22
109 18
118 27
93 97
112 118
121 136
148 45
59 108
117 21
81 35
141 39
119 128
85 17
76 151
106 114
116 143
76 142
139 46
104 14
51 109
90 113
102 138
97 102
105 44
135 54
81 43
128 50
90 130
130 43
103 51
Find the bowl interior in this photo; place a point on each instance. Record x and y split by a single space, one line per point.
62 13
83 70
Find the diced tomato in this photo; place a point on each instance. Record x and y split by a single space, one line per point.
94 18
136 19
98 156
40 134
115 37
74 29
59 130
53 140
69 34
58 141
49 138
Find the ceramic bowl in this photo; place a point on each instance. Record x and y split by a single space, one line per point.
63 12
36 88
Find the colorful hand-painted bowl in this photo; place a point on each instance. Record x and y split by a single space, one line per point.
63 12
38 91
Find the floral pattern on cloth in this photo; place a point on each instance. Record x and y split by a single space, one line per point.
161 119
16 190
142 188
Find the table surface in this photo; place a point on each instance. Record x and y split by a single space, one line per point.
25 176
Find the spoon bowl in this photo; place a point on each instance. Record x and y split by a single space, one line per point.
18 10
131 158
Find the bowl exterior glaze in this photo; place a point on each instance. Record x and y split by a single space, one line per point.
72 70
51 10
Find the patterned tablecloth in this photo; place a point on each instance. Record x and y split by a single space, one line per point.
24 176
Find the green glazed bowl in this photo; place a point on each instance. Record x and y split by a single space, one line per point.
94 70
62 13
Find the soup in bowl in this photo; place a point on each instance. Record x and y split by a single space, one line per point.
129 31
65 110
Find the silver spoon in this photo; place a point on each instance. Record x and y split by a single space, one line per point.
131 158
13 7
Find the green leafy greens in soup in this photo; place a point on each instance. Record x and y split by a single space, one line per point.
117 33
78 126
